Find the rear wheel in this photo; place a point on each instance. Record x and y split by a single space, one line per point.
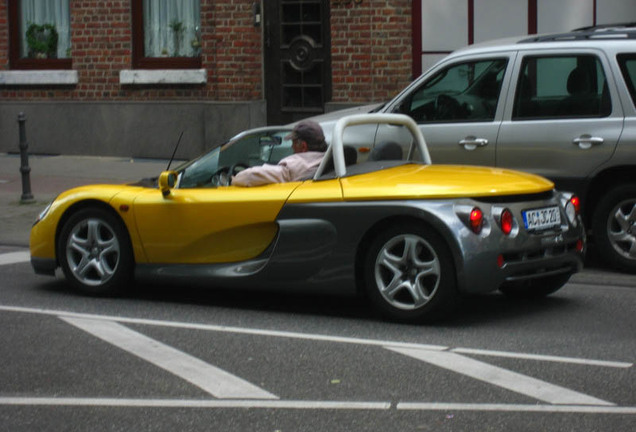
614 227
95 253
536 288
409 274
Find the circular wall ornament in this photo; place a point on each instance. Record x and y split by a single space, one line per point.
302 52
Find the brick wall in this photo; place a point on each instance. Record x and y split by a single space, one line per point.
101 44
371 53
371 49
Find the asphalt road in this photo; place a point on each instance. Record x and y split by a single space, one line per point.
167 358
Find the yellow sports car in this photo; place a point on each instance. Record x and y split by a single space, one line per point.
408 234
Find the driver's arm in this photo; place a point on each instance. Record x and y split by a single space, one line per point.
261 175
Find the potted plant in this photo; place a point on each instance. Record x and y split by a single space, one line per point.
177 32
42 40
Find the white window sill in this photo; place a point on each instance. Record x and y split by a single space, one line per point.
38 77
163 76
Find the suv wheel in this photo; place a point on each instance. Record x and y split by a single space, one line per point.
614 227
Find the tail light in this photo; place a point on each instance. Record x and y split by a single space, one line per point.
576 202
505 221
476 220
573 208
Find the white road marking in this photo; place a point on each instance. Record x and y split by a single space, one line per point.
198 403
540 357
295 335
213 380
580 405
224 329
14 258
502 377
436 406
311 405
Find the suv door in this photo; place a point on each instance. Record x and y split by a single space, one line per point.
458 107
560 121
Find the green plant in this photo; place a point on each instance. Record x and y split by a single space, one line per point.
42 39
177 26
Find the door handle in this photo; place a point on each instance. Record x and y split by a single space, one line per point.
587 141
471 142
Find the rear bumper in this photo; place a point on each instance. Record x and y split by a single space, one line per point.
494 270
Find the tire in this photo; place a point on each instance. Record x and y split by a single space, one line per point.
409 274
535 288
94 252
614 227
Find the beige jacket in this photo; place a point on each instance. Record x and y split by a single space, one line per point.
296 167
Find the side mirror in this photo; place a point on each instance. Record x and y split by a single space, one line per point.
167 181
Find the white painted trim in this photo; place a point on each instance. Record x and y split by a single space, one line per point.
162 76
39 77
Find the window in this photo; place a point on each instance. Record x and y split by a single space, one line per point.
628 68
462 92
40 36
166 34
561 87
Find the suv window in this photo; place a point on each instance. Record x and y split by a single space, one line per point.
561 87
628 68
462 92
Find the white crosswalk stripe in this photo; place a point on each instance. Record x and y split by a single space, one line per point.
14 257
213 380
232 391
501 377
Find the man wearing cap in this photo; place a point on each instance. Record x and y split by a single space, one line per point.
308 144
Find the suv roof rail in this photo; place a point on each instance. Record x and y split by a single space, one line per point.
604 31
617 26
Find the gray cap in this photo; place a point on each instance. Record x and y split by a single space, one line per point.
310 132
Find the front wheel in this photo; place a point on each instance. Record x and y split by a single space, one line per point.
614 227
95 253
409 274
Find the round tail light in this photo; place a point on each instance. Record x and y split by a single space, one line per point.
505 221
476 220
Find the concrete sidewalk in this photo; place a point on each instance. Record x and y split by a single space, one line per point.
51 175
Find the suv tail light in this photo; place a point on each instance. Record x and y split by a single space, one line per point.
573 208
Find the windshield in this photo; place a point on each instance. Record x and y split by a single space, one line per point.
247 149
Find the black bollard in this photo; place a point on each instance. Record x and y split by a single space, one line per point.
27 196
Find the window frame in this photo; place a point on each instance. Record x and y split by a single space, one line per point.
17 62
139 61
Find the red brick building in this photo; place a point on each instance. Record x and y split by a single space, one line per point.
125 77
103 93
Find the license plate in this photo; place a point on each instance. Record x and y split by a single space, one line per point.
542 218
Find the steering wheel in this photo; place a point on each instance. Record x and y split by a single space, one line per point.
446 107
223 176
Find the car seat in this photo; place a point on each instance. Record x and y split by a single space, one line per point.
387 150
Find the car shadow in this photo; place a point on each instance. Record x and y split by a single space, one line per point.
472 310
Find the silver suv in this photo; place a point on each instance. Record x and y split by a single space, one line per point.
561 105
